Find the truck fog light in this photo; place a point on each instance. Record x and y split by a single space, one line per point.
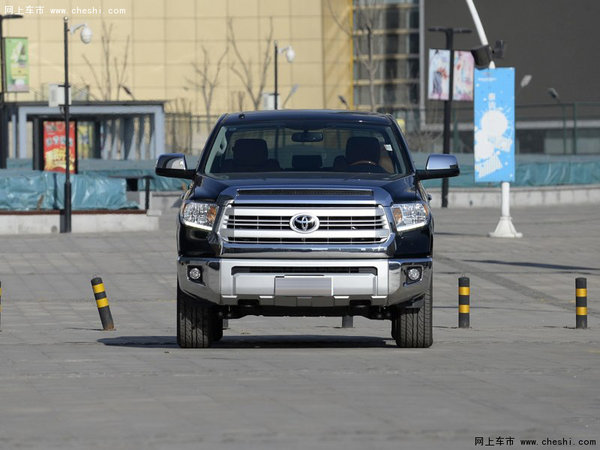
414 273
195 273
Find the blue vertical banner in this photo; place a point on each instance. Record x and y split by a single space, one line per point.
494 125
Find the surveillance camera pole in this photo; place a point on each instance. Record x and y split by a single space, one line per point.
276 81
66 225
67 201
505 227
290 57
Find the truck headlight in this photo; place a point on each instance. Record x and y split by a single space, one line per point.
409 216
199 215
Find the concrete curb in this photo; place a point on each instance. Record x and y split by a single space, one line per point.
165 200
82 222
519 196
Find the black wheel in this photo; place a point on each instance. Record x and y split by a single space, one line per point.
217 329
195 323
414 327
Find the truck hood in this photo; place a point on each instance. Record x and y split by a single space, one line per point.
312 186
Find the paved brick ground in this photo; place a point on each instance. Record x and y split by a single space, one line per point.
521 371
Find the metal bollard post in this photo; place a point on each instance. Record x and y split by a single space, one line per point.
102 303
147 189
347 322
464 294
0 305
581 303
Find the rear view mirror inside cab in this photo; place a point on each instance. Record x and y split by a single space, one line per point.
307 136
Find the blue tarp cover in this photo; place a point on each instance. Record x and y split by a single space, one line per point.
93 188
25 190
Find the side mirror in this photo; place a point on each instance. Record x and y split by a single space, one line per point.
173 165
439 166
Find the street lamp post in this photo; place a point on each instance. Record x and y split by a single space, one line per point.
449 32
554 94
3 124
505 227
86 37
290 54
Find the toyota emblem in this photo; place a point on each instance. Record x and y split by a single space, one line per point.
304 223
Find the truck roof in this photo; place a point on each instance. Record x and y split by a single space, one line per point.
239 118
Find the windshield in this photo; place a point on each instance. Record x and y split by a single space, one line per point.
302 147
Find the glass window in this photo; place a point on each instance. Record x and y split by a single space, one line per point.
390 16
388 44
389 68
387 94
307 147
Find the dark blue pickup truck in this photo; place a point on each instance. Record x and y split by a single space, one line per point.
305 213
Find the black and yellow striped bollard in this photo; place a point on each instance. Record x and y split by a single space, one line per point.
581 303
102 303
464 294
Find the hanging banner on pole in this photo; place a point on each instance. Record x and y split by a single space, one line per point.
16 51
55 147
464 65
439 74
494 125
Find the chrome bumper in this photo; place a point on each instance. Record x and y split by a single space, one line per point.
306 282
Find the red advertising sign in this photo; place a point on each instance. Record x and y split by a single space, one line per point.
54 147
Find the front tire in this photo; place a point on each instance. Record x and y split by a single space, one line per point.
195 323
413 328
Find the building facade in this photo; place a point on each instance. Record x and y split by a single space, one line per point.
207 57
386 63
178 50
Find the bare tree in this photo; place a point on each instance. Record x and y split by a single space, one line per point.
240 95
423 136
179 125
113 72
109 77
368 15
246 73
208 81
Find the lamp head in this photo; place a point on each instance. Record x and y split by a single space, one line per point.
290 54
86 34
526 80
554 94
482 56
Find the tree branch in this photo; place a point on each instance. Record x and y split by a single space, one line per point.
246 74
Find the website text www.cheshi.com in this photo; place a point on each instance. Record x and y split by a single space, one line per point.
41 9
511 441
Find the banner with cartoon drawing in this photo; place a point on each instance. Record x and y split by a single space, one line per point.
494 125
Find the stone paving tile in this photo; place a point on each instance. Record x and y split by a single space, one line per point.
297 383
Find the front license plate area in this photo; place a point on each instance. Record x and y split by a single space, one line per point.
298 286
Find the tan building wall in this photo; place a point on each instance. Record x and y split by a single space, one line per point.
154 44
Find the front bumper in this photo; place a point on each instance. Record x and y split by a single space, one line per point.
304 283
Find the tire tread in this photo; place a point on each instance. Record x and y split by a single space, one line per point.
194 323
414 328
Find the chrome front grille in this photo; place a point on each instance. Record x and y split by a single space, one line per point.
272 225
